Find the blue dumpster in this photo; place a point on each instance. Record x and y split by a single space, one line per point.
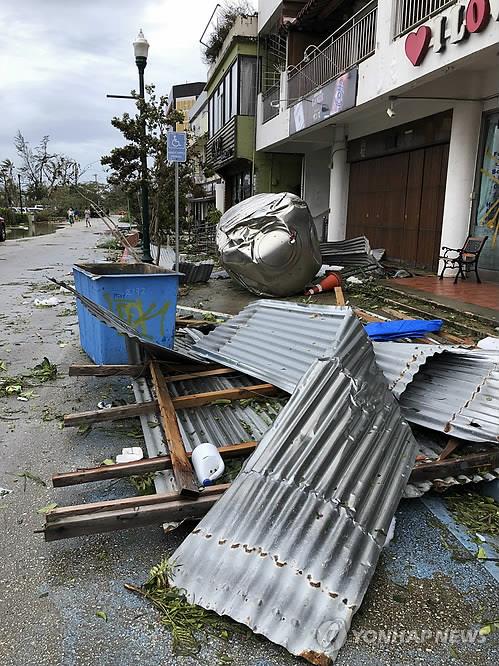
143 295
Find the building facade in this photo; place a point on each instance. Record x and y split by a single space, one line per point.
394 107
203 196
182 97
232 88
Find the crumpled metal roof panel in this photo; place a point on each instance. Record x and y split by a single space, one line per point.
274 340
290 548
457 393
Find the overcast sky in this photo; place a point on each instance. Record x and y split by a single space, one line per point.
59 58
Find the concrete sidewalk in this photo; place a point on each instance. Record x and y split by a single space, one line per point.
426 580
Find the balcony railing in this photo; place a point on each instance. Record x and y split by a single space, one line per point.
411 13
353 42
270 102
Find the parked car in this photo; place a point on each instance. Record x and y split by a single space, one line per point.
3 230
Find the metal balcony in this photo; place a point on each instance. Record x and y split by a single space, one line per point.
353 42
411 13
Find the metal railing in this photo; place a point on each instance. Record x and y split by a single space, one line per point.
269 97
353 42
411 13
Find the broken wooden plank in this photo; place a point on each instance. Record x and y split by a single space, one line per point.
110 414
107 521
90 508
450 447
470 464
106 370
145 466
367 316
340 298
240 393
182 468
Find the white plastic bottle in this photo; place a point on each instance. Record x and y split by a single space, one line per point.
207 463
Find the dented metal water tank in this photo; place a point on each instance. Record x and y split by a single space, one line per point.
268 243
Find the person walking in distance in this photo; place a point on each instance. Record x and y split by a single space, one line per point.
87 217
71 216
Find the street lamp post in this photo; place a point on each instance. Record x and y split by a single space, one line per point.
141 49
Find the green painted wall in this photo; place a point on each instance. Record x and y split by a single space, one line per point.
245 137
277 172
239 46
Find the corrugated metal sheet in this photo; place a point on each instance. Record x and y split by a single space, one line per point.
277 341
224 424
195 272
456 392
352 252
290 549
274 340
401 361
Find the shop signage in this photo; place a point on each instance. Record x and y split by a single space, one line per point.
333 98
462 20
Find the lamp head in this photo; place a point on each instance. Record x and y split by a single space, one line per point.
141 46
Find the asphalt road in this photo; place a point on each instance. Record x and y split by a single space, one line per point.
50 593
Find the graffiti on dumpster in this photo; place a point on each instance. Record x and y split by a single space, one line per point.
136 314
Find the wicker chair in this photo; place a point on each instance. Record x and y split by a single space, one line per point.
466 259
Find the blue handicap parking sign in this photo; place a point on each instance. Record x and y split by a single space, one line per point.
176 146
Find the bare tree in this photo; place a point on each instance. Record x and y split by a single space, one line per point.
43 170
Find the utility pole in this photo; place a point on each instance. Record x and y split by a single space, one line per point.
20 192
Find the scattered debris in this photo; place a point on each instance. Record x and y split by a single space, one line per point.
405 328
102 615
185 621
48 508
478 513
4 492
32 477
44 371
309 471
130 454
47 302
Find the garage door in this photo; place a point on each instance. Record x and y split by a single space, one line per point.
397 202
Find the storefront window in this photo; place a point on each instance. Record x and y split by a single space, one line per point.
487 210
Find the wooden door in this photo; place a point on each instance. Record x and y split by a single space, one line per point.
397 202
432 206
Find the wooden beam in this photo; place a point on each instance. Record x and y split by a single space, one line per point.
110 414
107 521
473 463
105 370
126 503
156 464
182 469
199 399
204 373
340 298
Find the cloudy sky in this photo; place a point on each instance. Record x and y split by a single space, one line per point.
59 58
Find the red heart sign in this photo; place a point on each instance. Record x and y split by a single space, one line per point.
416 44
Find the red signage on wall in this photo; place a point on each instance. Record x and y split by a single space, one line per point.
462 21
